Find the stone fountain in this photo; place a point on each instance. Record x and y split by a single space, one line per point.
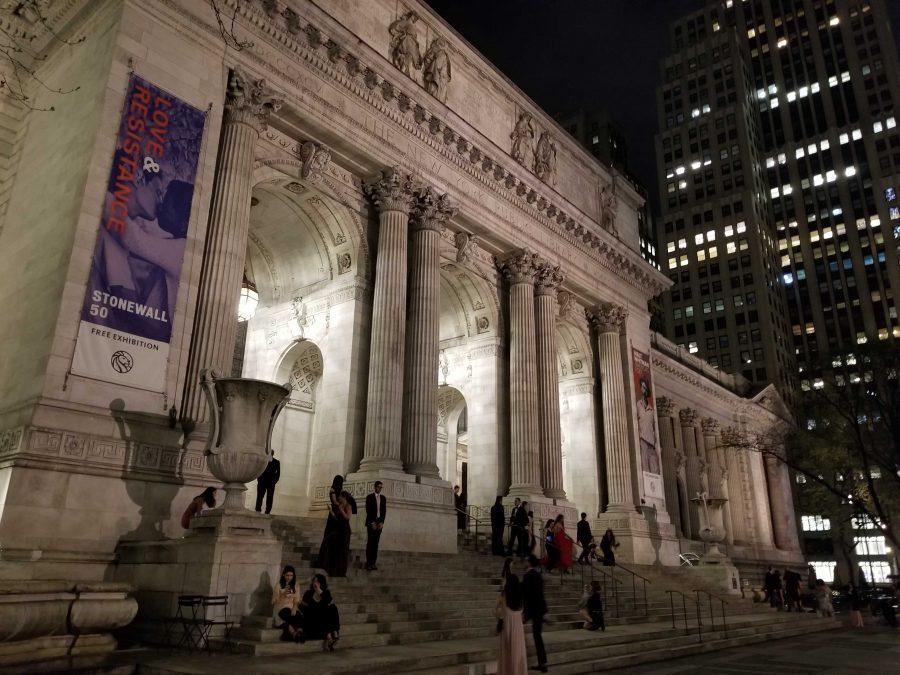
228 550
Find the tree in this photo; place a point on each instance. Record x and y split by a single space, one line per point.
846 440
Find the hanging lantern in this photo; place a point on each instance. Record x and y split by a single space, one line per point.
249 300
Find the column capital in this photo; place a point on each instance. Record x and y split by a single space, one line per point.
665 407
430 210
608 317
731 436
393 189
709 425
249 101
548 278
688 417
520 266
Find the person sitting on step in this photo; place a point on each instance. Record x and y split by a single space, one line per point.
286 600
320 619
590 608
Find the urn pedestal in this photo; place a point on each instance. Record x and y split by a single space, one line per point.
715 568
228 550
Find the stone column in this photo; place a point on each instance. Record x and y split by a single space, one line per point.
547 282
781 504
393 194
609 320
735 486
519 269
665 411
248 104
694 466
716 467
429 215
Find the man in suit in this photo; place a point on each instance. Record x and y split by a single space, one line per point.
376 509
523 530
584 537
513 527
265 484
535 608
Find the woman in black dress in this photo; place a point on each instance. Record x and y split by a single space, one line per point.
334 553
608 545
320 615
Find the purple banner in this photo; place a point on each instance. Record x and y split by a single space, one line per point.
126 319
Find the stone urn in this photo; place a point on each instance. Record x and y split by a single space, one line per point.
243 413
712 529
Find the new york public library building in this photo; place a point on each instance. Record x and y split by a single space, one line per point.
450 285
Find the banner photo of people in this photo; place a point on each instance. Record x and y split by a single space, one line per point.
126 318
646 420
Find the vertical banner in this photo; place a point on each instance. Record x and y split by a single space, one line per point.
646 421
126 318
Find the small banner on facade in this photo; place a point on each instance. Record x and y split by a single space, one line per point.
126 319
646 419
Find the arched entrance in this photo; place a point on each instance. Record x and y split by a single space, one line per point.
303 255
452 436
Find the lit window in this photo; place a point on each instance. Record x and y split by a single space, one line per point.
815 523
775 191
787 189
710 235
715 26
682 243
834 21
870 546
875 571
741 227
832 81
890 122
791 96
824 570
850 171
770 162
692 348
845 76
856 134
698 238
670 247
824 145
788 279
877 127
751 33
731 247
673 263
782 158
844 138
814 87
799 153
679 170
782 43
695 164
773 89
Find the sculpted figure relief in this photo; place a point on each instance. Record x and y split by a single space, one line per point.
436 75
405 52
545 159
609 203
522 137
315 159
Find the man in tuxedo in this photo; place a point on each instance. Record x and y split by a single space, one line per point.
584 537
513 527
535 608
376 509
265 484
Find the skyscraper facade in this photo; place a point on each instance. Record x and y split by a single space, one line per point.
778 155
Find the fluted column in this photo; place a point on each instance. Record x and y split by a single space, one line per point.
430 212
665 411
519 269
248 104
547 283
694 467
735 487
610 320
784 523
718 486
393 194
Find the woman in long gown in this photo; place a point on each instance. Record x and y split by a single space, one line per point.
512 659
334 553
563 543
608 545
551 552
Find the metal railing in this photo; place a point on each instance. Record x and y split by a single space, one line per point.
712 616
684 614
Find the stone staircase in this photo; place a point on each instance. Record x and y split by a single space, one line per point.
434 613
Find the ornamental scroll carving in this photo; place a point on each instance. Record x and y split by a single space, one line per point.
250 101
406 55
314 159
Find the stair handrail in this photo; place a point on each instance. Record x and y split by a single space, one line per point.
684 603
712 616
469 517
612 574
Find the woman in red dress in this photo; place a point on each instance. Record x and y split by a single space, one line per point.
563 543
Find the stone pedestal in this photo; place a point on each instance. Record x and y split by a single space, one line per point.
722 577
420 512
642 540
231 553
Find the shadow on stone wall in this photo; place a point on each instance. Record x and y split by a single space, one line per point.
653 529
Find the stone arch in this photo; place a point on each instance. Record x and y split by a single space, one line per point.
451 404
469 302
301 369
573 352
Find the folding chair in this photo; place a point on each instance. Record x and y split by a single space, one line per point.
688 559
186 616
207 624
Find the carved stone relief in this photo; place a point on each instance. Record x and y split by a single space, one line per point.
406 55
609 204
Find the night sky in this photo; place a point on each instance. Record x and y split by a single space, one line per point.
569 54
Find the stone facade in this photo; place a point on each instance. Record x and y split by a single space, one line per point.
425 242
